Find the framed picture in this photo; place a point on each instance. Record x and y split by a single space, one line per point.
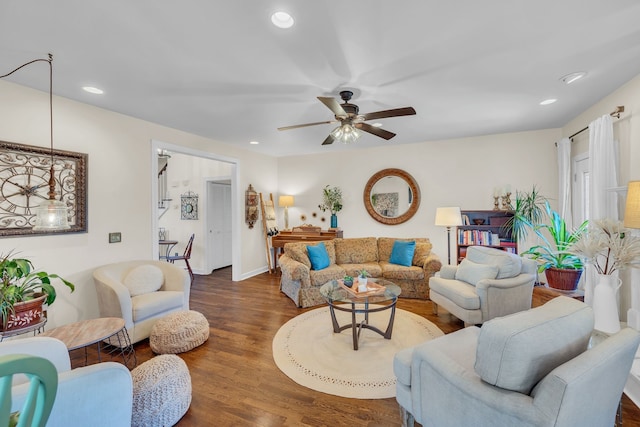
189 205
24 184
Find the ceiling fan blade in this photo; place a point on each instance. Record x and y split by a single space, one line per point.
396 112
334 106
375 131
328 141
307 124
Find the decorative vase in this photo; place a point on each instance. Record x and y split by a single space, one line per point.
334 221
605 304
362 281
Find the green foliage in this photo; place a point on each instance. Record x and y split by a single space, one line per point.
554 252
18 283
331 199
528 210
363 273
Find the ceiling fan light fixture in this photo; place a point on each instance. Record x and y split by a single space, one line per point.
282 20
346 133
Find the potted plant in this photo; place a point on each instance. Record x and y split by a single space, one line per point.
362 277
24 291
332 202
348 281
561 267
528 209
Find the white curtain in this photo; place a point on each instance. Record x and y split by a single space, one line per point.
603 169
564 180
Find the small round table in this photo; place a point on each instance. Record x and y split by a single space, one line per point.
341 299
84 333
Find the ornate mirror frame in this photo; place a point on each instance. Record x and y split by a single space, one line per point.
415 192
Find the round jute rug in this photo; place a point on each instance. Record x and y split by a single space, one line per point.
308 351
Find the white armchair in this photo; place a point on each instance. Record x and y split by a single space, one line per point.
96 395
488 283
531 368
141 292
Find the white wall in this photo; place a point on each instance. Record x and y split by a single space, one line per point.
461 172
119 195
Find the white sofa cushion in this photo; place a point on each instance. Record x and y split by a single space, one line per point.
460 293
516 351
143 279
509 265
471 272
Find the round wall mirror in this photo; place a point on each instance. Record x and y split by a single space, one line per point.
391 196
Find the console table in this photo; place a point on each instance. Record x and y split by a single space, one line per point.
278 241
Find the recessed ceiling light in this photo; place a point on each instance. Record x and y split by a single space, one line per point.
548 101
573 77
282 20
254 142
93 90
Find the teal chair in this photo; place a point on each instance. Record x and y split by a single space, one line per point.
43 379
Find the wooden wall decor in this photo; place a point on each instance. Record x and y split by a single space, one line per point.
251 206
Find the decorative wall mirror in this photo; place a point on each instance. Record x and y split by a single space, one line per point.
391 196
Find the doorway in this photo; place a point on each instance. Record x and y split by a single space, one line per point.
233 205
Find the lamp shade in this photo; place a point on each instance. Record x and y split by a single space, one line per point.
448 216
632 209
285 201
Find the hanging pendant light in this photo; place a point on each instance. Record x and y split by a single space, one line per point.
51 215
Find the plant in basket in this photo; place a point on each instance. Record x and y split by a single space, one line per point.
21 287
348 281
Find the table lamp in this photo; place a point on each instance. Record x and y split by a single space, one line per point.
448 217
285 202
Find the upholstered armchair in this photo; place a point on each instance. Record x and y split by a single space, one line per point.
96 395
488 283
141 292
532 368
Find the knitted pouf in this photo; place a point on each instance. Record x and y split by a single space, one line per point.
179 332
161 391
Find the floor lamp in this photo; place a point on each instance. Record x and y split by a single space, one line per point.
448 217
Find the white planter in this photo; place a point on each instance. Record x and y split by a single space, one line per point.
362 284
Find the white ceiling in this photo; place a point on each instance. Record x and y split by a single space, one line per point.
220 69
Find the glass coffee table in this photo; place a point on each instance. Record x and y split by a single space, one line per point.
341 299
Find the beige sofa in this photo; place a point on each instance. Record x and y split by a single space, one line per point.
346 257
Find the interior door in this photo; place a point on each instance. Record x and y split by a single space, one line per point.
219 233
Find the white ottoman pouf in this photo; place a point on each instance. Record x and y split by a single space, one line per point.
179 332
161 391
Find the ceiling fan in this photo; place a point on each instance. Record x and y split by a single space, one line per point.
351 122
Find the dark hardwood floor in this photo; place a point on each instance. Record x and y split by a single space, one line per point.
236 382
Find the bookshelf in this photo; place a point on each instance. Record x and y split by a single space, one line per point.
489 233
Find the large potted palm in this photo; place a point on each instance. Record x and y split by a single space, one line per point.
561 267
23 292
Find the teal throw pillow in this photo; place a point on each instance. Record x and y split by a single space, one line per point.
402 253
318 256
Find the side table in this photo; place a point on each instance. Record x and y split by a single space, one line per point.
85 333
543 294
